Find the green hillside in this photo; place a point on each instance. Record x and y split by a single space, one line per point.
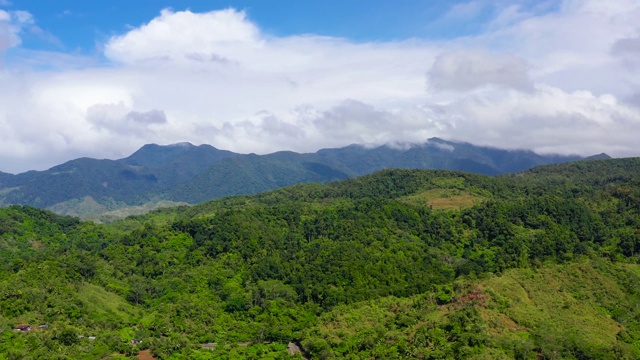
580 310
424 264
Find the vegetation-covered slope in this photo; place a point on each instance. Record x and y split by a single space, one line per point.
181 173
401 263
581 310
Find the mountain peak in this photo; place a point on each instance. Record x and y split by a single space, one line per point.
601 156
184 144
154 155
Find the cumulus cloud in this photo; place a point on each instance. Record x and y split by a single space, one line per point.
633 99
550 121
180 36
467 70
628 50
627 46
356 122
118 119
548 79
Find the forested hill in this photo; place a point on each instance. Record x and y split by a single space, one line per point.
598 173
157 175
424 264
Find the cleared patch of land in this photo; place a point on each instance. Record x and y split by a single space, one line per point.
445 199
103 303
524 313
572 302
146 355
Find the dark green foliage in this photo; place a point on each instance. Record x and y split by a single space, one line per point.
68 337
253 273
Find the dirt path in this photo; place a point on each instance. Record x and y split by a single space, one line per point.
146 355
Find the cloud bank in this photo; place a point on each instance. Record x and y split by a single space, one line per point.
563 81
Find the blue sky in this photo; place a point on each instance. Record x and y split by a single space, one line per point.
102 78
81 27
80 24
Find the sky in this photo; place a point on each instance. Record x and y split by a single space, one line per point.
102 78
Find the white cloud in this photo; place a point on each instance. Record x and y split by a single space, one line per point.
628 51
441 146
549 120
11 25
22 17
626 46
559 79
467 70
466 10
180 36
117 119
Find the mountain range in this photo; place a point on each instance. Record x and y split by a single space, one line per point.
157 175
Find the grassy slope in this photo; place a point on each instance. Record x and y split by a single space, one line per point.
102 303
585 307
577 303
444 199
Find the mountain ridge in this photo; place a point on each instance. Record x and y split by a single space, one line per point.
185 172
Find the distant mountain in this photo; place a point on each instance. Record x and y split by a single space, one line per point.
251 174
5 178
158 156
440 154
601 156
187 173
78 178
174 164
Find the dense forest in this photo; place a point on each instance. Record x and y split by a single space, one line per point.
424 264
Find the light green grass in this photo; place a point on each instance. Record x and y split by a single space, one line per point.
101 302
445 199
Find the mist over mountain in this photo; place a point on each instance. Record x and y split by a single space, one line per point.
187 173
